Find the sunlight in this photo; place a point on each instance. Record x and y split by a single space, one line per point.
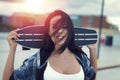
34 6
40 6
114 20
33 3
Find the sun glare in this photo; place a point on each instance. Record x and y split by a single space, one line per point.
33 6
40 6
33 2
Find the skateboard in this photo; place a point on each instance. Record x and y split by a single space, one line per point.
32 36
85 36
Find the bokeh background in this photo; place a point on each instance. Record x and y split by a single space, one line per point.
100 15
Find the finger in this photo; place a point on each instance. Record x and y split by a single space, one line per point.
15 33
16 30
14 38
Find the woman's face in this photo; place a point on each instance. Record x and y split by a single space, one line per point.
61 35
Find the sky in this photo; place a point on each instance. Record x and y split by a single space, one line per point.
80 7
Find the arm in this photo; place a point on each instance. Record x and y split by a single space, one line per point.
93 56
9 66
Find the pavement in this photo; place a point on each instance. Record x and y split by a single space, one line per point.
108 61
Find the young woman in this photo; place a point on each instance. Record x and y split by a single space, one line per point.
58 59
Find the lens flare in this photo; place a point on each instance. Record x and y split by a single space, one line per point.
33 6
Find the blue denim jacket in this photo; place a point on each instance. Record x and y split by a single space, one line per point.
28 70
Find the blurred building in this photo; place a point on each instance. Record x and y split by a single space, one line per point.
21 20
4 23
89 21
18 20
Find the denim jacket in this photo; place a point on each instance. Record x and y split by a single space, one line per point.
28 70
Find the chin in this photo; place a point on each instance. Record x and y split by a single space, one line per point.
59 44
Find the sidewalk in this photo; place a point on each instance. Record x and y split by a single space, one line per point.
109 56
109 63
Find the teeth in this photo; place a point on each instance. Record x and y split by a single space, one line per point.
60 37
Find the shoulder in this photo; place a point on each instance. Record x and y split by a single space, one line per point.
27 69
88 68
85 59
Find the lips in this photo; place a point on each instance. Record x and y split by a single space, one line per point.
60 38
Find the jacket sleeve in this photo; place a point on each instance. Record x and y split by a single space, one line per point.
25 71
89 71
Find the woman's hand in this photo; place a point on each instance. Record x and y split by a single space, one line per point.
93 55
9 66
12 37
92 46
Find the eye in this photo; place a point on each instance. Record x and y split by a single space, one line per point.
64 26
54 27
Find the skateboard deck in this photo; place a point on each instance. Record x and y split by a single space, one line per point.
32 36
85 36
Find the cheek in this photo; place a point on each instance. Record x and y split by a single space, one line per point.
51 35
50 32
65 32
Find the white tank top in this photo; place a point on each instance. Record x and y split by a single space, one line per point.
51 74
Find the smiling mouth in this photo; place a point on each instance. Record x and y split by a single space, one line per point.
60 38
